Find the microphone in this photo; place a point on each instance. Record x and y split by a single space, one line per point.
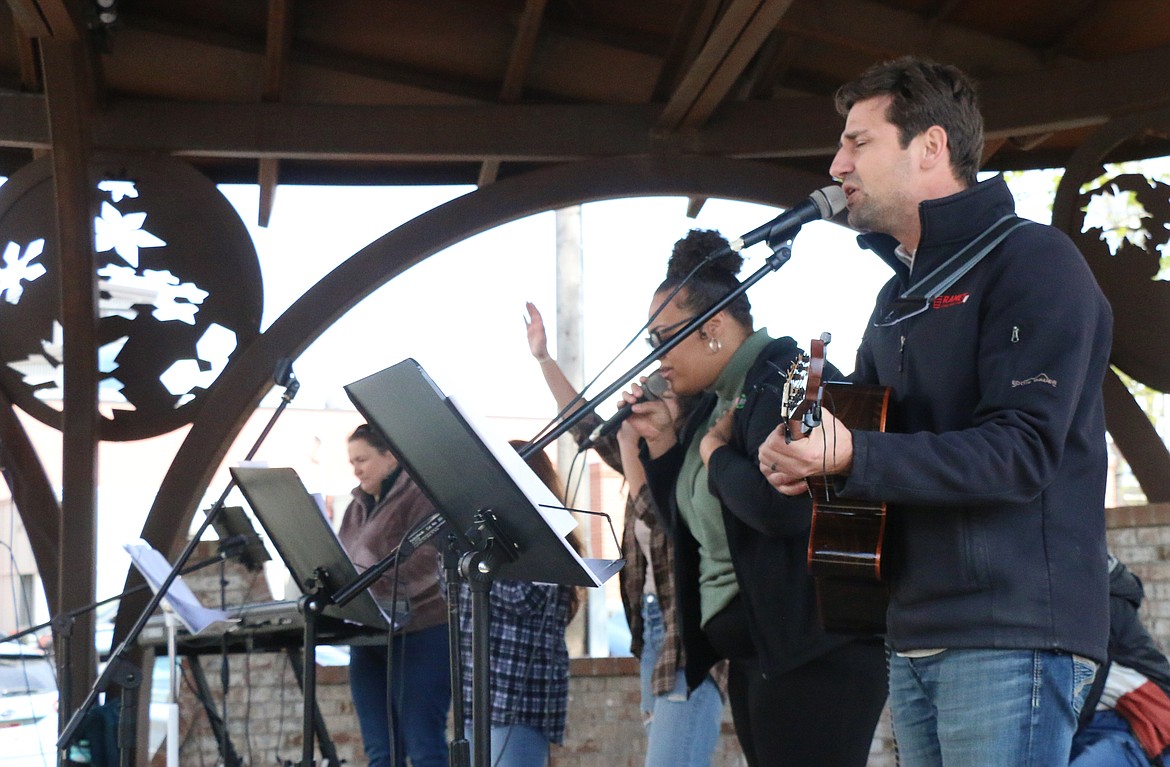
822 204
652 388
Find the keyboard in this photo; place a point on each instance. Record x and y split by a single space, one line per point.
261 626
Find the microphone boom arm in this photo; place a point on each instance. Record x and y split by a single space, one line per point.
781 253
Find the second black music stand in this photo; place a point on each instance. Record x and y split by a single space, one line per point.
503 519
317 561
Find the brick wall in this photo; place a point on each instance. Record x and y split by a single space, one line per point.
264 702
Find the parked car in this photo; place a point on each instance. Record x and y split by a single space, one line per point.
28 707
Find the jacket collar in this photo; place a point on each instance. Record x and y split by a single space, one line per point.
947 224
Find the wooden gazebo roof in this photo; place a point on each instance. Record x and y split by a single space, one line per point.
388 91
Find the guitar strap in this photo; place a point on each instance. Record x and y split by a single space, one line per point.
918 297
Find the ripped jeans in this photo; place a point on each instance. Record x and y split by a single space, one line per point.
680 731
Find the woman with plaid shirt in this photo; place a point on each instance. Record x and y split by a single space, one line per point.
529 675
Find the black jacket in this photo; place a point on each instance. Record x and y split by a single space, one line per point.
996 473
767 533
1129 642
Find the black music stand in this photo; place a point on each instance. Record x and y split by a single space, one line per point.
318 563
503 521
232 524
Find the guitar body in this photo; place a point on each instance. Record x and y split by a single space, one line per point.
845 542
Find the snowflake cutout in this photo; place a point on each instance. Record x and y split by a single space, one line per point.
176 300
122 234
1119 216
214 348
19 268
119 190
45 373
123 288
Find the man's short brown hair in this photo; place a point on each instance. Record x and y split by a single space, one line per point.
924 93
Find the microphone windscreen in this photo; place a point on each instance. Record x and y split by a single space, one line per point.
655 386
830 200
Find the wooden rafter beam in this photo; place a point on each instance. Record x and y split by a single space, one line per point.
1083 19
876 31
943 11
1059 97
30 71
990 147
278 44
519 63
737 37
30 18
60 19
26 56
690 33
150 31
774 56
523 49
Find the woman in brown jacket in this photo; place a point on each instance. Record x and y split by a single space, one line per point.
386 505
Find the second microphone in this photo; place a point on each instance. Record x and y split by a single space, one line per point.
652 388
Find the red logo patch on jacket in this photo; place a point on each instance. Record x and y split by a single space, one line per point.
942 302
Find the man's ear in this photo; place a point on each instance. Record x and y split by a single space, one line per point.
935 146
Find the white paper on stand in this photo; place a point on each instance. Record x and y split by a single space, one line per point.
538 494
555 515
189 610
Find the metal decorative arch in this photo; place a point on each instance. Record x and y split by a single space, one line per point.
248 377
1139 354
33 495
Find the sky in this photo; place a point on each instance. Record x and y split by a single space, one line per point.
460 313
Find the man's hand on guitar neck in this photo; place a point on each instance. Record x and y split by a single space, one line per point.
827 449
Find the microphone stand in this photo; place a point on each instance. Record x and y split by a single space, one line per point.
781 253
128 676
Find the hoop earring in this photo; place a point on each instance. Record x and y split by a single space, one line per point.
715 345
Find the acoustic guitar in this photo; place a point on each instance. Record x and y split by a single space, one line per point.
845 542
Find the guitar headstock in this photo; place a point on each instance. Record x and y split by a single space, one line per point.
801 408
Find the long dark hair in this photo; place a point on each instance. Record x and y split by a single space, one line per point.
542 466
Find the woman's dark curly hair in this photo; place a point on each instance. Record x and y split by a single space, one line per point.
714 278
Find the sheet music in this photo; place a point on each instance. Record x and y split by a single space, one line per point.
538 494
190 611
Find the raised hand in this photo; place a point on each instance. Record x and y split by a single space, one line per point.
537 336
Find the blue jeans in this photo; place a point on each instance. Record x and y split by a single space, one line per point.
987 708
1107 741
420 696
515 745
680 731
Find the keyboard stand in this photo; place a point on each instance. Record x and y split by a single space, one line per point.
227 750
